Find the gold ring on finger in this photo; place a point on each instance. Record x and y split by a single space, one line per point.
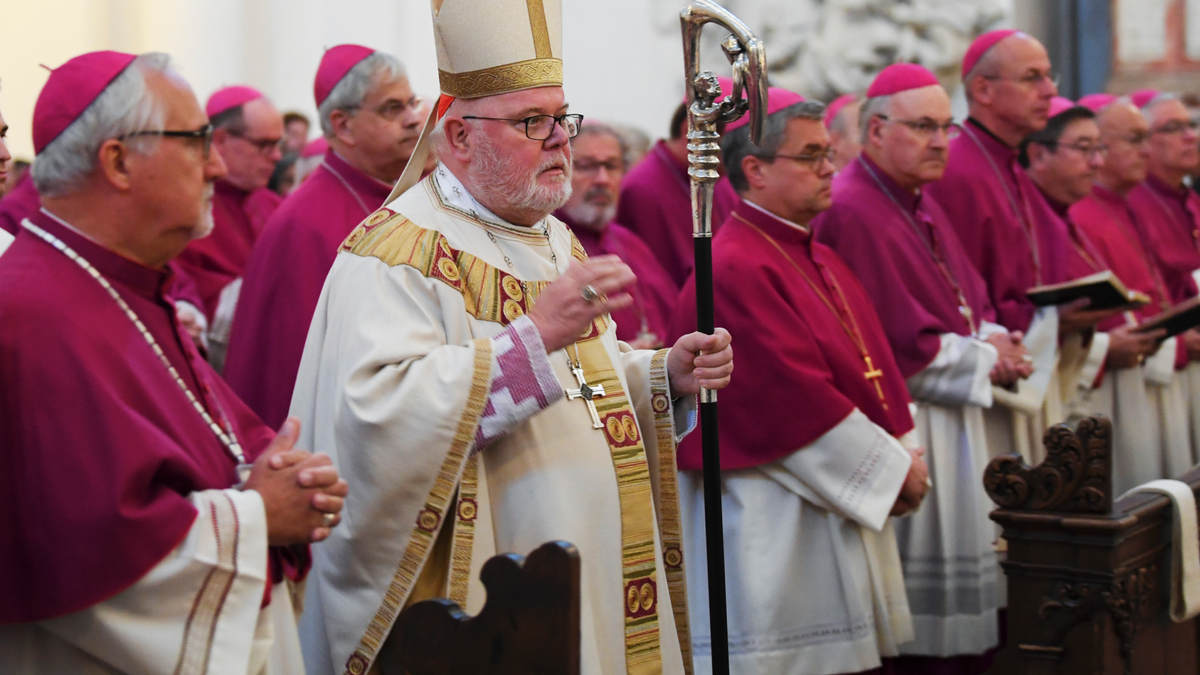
590 294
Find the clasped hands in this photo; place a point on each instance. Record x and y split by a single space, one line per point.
601 285
1014 362
915 487
302 493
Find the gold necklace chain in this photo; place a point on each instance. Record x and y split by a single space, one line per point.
226 435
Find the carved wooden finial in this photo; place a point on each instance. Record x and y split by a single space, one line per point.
1076 476
530 624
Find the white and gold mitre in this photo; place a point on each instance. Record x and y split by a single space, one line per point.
489 47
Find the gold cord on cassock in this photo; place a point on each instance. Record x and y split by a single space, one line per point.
872 374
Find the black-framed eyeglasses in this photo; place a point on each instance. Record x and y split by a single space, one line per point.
1086 148
391 109
1135 138
1176 127
264 146
813 160
927 127
1029 80
204 133
541 127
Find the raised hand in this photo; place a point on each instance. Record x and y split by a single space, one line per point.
566 307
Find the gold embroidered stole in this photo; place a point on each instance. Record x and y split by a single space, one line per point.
491 294
670 524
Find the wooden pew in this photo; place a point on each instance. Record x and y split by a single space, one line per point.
1088 580
529 625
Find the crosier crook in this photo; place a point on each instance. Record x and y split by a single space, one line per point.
747 56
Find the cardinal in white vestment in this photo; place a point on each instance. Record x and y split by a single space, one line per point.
463 371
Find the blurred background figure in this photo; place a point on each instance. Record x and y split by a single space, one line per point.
371 120
841 120
295 131
600 161
17 168
283 179
247 135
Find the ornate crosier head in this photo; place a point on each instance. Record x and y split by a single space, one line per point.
747 57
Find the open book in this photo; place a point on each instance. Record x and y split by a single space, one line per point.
1179 318
1103 288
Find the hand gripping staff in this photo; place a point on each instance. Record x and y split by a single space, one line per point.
747 56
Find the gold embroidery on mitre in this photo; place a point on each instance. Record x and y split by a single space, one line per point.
537 26
502 79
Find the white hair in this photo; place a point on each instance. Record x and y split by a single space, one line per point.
1154 102
350 92
125 107
876 105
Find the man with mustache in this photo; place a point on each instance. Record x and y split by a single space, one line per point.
1064 160
371 119
595 184
813 429
941 326
155 524
463 369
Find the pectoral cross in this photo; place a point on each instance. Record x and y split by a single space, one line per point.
874 375
587 392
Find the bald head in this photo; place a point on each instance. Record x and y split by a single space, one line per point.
1173 150
1010 88
905 134
1123 131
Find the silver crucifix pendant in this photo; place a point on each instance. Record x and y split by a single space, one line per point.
586 392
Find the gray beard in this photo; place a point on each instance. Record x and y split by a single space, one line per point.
497 181
591 216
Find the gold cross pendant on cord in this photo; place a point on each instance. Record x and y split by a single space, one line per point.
586 392
873 375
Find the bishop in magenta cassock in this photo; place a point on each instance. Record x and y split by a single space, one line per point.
1006 229
598 166
140 539
368 113
814 429
656 199
1099 370
24 200
935 311
247 135
1169 213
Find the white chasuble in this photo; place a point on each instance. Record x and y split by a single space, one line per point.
197 612
948 545
815 522
431 390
